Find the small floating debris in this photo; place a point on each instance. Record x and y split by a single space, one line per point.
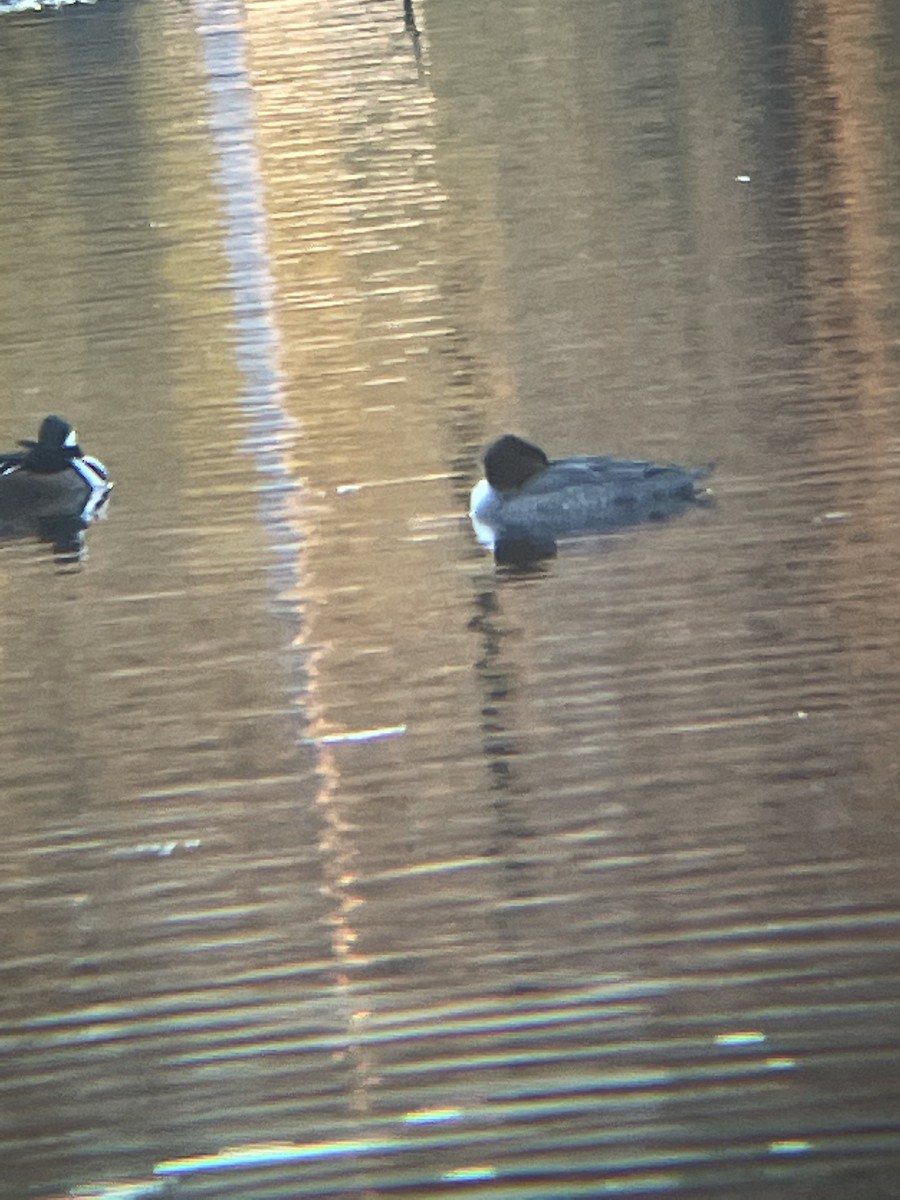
348 489
740 1037
790 1146
427 1116
268 1154
831 518
359 735
469 1174
36 6
126 1189
158 849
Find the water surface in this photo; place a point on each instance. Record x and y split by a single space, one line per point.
338 859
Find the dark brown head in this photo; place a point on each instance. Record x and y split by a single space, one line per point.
511 461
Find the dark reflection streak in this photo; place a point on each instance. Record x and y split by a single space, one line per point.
824 202
409 21
63 532
500 745
465 371
466 380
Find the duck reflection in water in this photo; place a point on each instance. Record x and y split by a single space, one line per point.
527 501
51 489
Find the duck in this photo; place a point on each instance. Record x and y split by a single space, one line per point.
528 499
51 477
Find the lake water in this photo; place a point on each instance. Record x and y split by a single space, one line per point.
339 860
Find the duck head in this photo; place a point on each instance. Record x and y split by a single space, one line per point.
511 461
55 448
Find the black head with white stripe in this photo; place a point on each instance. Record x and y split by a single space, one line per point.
55 448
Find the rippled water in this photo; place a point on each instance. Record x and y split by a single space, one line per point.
337 859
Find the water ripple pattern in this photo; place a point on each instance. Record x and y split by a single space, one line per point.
339 859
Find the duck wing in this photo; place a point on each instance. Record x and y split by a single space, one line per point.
10 460
612 472
574 472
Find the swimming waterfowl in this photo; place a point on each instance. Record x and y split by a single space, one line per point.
52 477
527 496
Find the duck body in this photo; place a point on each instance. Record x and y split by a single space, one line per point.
51 477
525 494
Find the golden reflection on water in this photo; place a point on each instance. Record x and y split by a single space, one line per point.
449 261
680 308
357 835
345 129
